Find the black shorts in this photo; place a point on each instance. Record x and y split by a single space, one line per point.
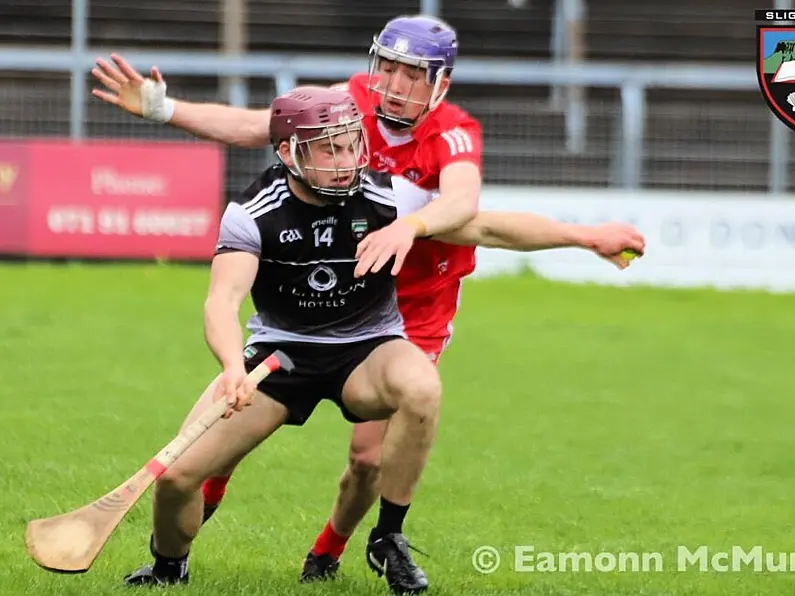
320 373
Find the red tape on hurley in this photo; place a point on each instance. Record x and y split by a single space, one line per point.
279 361
272 362
155 468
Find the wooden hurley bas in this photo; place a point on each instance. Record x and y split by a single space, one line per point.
70 542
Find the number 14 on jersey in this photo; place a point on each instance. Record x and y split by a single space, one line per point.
324 236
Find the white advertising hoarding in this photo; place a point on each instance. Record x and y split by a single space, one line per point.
693 239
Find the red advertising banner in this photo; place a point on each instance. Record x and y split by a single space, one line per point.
121 199
13 198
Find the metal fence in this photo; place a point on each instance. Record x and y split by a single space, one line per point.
687 143
627 132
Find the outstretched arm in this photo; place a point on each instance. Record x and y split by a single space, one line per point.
528 232
225 124
457 152
127 89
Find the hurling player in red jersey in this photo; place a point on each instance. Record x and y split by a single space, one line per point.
413 133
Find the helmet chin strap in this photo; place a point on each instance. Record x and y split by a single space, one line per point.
396 124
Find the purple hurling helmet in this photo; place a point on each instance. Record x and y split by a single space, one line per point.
425 43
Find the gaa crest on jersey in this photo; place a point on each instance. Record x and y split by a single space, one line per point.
359 228
775 65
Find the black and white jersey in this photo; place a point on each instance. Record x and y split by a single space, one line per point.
305 289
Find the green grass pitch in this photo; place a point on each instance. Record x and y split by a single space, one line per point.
576 419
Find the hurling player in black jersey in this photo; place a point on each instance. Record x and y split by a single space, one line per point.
290 243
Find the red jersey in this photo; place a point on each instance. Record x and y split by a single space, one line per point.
429 283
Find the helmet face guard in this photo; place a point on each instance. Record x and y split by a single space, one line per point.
309 143
380 83
425 44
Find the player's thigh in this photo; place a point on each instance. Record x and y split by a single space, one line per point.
393 372
229 440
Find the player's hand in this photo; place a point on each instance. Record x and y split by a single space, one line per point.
234 388
377 248
130 91
611 239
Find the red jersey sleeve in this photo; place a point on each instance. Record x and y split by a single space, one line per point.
461 141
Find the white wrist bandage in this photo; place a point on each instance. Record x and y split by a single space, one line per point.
155 105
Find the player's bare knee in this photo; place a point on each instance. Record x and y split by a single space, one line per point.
365 465
176 482
417 392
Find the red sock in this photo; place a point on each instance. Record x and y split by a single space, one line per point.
214 489
330 543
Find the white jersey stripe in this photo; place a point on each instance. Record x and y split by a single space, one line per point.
386 191
270 205
385 194
263 333
450 142
458 140
465 139
379 195
265 195
301 264
379 199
